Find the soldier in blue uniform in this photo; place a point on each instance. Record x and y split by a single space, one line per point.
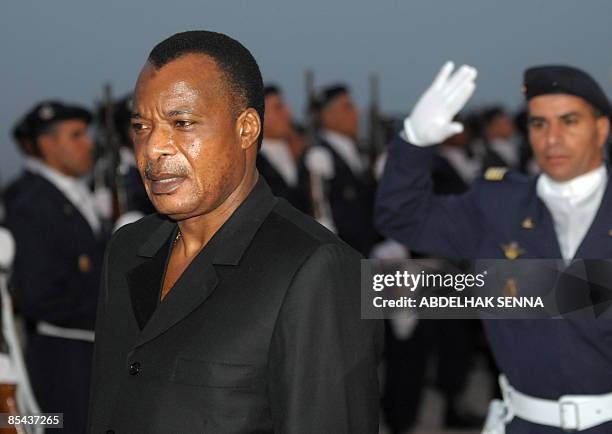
58 260
566 212
287 176
347 182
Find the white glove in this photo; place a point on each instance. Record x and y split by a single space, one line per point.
7 249
127 218
319 161
103 202
431 120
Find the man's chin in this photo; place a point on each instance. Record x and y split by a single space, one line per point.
171 207
560 175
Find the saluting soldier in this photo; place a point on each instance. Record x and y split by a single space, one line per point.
59 253
566 212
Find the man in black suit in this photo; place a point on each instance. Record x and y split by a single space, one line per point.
229 311
60 247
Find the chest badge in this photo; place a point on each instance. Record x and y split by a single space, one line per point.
512 250
527 223
84 263
510 289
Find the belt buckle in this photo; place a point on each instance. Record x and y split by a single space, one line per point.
562 406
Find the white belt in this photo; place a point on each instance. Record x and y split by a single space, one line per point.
47 329
570 412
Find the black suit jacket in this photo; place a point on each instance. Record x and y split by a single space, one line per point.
262 333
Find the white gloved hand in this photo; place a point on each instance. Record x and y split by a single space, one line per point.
103 202
431 120
7 249
320 162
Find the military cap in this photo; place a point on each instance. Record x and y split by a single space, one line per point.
328 94
20 130
47 113
552 79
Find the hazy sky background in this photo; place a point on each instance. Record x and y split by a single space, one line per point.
68 49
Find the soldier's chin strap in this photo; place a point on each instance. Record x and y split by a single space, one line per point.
26 401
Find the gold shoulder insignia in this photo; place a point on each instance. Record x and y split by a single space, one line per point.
495 173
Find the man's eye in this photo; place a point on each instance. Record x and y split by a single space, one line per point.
183 124
536 124
571 121
138 127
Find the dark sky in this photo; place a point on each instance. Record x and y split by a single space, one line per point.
68 49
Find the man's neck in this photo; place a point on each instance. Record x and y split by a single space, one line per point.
197 231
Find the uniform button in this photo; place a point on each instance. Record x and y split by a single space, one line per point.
134 368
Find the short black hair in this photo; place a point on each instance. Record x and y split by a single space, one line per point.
489 114
328 95
233 59
271 89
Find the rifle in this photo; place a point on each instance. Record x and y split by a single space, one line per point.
376 130
321 209
106 174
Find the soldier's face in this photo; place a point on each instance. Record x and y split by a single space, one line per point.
342 116
277 119
190 147
566 136
67 148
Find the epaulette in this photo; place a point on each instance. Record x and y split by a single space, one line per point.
495 173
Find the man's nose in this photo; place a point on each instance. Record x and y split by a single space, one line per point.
159 143
553 134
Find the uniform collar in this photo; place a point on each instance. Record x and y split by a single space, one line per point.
229 243
346 148
277 153
581 186
65 184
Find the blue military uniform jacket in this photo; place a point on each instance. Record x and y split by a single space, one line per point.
58 259
56 279
542 358
351 199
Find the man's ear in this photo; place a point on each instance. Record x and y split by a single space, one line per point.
248 127
45 145
603 129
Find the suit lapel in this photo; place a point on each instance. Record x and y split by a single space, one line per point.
195 285
200 278
145 280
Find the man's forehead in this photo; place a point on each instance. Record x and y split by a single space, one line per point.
191 70
180 82
556 104
340 101
72 124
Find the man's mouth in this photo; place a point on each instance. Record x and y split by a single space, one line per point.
556 159
165 183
